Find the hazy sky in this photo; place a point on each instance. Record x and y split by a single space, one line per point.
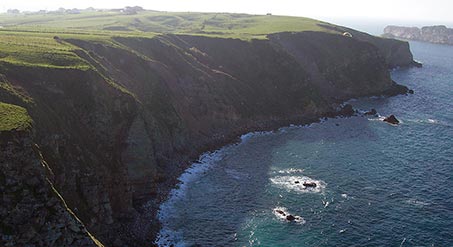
407 10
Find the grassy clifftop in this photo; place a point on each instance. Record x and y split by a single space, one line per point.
114 23
38 39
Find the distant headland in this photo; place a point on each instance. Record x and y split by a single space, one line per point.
433 34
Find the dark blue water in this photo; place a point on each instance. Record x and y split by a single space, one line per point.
378 184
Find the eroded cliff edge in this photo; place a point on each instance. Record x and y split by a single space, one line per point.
118 135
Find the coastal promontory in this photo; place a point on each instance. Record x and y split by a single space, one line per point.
433 34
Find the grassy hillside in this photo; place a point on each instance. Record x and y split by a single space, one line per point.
110 22
38 39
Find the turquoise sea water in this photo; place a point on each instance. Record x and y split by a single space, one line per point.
378 185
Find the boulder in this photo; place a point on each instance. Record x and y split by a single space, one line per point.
310 184
296 182
372 112
391 119
346 111
290 217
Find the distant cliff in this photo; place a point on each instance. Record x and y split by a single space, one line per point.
433 34
108 141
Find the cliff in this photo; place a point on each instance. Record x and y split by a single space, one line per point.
33 213
432 34
395 52
112 134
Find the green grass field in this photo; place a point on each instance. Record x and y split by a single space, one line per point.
220 24
28 39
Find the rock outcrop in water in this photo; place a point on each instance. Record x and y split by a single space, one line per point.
310 184
391 119
432 34
108 143
371 112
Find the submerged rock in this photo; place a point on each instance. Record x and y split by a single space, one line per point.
280 212
391 119
372 112
310 184
290 217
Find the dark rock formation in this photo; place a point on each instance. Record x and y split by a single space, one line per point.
32 211
391 119
395 89
117 137
347 111
432 34
280 212
290 217
372 112
310 184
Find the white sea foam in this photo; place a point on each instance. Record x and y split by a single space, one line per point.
282 212
289 171
430 121
417 203
167 211
295 184
171 237
248 136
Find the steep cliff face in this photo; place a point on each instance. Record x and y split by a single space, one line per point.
395 52
80 121
118 135
342 67
33 213
433 34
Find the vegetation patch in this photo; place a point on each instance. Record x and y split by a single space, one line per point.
14 117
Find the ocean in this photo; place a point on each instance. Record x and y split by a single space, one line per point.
377 184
